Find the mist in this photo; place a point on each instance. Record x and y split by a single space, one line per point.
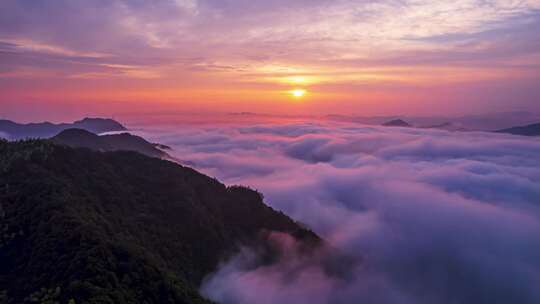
430 216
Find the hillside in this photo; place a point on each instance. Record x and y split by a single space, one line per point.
119 227
528 130
46 129
78 138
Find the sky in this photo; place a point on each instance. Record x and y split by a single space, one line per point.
342 56
413 216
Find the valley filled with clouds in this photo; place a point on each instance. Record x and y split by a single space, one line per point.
425 215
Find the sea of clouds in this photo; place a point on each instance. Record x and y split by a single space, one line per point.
432 216
4 136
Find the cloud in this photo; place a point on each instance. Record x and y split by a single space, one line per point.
431 216
309 33
247 53
4 135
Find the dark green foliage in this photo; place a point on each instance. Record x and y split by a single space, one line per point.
118 227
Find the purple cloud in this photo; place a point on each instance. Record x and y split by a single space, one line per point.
431 216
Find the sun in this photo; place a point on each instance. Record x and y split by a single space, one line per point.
298 93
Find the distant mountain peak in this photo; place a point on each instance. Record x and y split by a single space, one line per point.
96 119
99 125
47 129
448 126
397 123
528 130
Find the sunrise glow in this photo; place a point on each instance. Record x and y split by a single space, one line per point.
190 54
298 93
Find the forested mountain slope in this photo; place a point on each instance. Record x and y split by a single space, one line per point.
118 227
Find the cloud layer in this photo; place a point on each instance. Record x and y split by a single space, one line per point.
432 216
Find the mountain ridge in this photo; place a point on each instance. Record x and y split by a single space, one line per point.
17 131
79 138
397 123
527 130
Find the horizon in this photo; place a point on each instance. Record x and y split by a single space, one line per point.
160 117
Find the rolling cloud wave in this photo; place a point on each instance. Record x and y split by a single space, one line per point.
432 216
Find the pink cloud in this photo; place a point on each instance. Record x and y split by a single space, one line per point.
430 216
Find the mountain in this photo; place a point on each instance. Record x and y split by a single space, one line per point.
477 122
448 126
80 226
79 138
528 130
498 120
396 123
98 125
46 129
